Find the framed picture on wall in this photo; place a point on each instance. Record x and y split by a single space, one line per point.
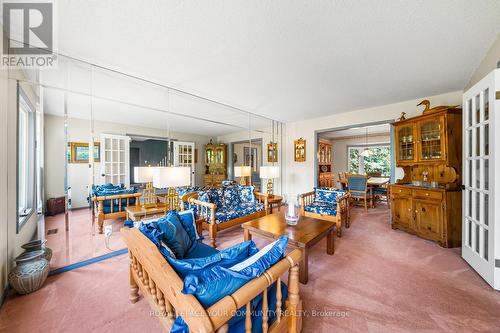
78 152
251 158
272 152
299 148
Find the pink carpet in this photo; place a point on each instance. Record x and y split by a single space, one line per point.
79 242
378 280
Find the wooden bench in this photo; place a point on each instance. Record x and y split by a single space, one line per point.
98 203
206 216
157 281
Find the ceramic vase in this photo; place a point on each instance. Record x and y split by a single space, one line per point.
292 210
37 245
30 273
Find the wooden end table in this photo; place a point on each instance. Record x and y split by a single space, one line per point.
274 200
304 235
137 213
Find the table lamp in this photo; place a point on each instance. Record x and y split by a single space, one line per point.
170 178
269 172
145 175
243 172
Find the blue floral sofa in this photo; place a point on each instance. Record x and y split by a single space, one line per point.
109 202
193 287
327 204
227 206
185 193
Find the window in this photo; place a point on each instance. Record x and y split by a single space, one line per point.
379 161
25 159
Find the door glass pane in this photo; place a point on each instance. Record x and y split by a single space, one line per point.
478 174
478 142
406 143
478 108
469 233
485 256
486 139
476 248
478 205
430 133
486 104
469 143
469 173
486 209
469 203
486 174
469 113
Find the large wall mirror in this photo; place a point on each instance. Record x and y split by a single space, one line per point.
102 129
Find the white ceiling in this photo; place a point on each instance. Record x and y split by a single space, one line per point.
358 131
285 59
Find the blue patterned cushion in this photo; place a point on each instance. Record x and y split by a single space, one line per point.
328 195
186 189
225 214
212 195
231 196
246 193
321 207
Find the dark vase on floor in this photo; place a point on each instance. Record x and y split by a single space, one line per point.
30 273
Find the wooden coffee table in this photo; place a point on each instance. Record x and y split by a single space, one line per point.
305 234
137 213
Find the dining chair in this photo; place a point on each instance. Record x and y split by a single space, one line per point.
382 192
359 189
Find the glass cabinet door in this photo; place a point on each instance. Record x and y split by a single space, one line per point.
209 156
406 143
431 139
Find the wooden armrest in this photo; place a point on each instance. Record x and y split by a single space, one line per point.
208 205
303 195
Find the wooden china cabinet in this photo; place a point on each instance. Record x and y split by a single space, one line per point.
427 201
325 176
215 164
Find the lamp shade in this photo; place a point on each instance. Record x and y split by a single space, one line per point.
143 174
164 177
242 171
269 171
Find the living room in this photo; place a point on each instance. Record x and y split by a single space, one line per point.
288 149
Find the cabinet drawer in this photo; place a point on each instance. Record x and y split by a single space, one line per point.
400 191
428 194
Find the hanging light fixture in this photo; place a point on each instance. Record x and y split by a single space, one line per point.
366 151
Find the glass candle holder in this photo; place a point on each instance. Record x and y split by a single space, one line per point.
292 210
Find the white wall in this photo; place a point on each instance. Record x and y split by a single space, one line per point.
78 131
10 240
339 147
299 176
488 64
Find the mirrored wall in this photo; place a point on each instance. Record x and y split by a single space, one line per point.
99 125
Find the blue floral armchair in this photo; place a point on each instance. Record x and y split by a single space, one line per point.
227 206
327 204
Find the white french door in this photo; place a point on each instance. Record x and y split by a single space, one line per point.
481 228
115 155
184 156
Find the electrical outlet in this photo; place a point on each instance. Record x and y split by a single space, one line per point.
108 230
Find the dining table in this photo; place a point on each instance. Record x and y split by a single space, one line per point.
378 181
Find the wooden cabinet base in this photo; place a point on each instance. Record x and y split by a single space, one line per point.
428 213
